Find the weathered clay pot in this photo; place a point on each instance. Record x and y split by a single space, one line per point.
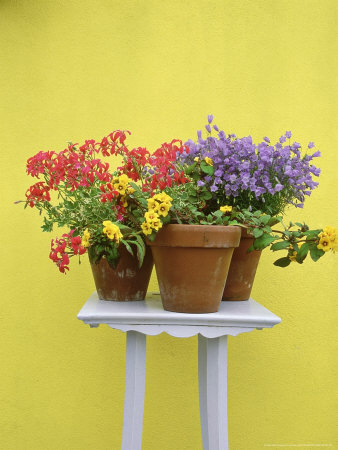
242 270
127 282
192 263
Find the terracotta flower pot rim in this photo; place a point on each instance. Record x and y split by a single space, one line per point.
209 236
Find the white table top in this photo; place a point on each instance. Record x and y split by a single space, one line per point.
149 317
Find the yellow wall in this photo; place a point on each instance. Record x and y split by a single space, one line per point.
72 70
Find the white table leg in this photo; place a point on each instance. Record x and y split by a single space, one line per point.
134 391
212 377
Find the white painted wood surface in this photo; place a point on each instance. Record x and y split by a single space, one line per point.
134 391
139 319
212 382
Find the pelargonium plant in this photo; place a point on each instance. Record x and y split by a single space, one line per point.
102 208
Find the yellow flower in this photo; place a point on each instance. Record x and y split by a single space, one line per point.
225 209
111 230
162 209
130 190
325 243
163 198
196 159
151 203
209 161
124 202
150 216
293 257
331 232
156 224
85 238
120 188
120 184
124 179
146 228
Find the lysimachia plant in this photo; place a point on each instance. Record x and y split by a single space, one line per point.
186 204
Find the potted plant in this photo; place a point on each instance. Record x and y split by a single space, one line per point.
191 257
255 184
78 190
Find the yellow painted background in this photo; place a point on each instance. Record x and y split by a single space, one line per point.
72 70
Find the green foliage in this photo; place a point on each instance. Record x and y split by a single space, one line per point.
282 262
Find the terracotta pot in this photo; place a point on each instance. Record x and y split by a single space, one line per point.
192 263
242 270
127 282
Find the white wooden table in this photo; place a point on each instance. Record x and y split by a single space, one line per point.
139 319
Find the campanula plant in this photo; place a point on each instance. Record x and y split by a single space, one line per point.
253 184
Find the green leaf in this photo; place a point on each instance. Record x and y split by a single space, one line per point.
112 254
257 232
189 169
265 219
209 170
315 252
141 250
128 248
151 237
280 245
263 241
302 253
218 214
300 225
274 220
282 262
206 195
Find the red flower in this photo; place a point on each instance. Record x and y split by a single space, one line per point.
39 192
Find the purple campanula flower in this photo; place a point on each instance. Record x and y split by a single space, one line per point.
311 145
219 173
279 187
208 128
215 127
199 134
316 154
210 118
200 183
248 171
288 134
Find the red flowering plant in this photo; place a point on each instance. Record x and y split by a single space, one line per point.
102 208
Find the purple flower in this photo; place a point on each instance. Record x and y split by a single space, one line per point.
316 154
288 134
200 183
199 134
210 118
254 173
311 145
215 127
